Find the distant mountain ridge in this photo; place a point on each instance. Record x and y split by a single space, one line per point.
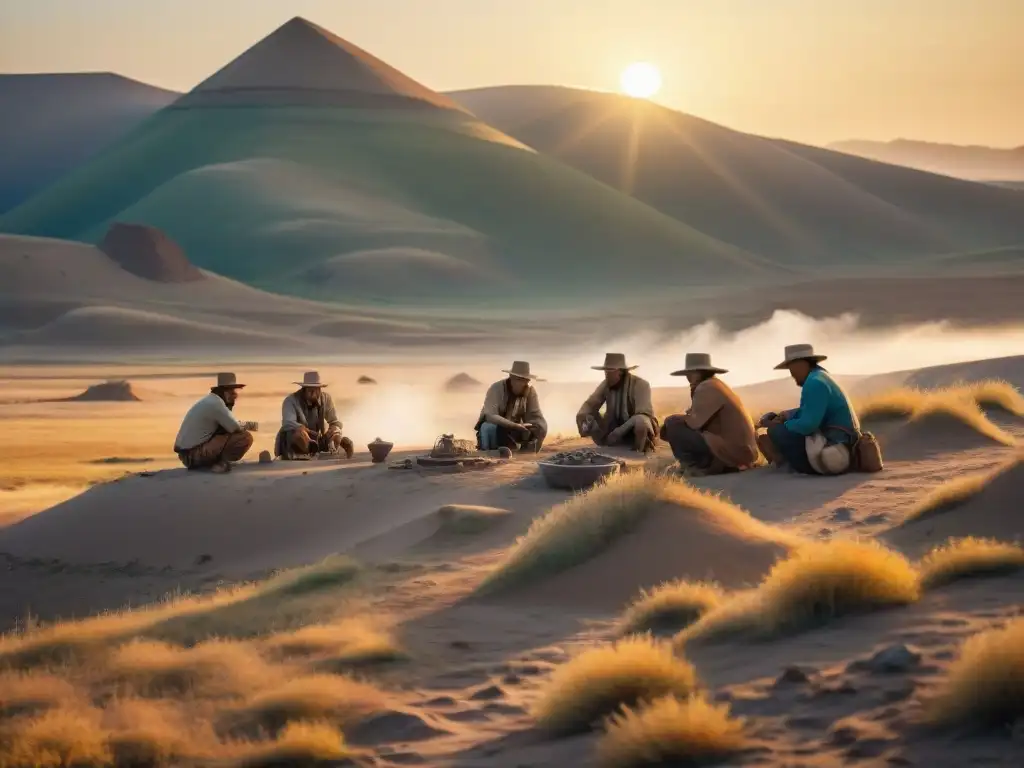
979 163
53 123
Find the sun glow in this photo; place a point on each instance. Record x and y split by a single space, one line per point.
640 80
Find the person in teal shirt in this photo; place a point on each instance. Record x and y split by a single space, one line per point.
824 407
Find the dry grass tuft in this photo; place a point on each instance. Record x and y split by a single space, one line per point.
985 686
576 530
818 582
464 519
298 743
600 681
157 733
311 697
56 738
969 558
334 571
671 731
672 605
995 394
348 643
27 694
960 403
214 669
953 493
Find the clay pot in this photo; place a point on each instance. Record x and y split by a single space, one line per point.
379 450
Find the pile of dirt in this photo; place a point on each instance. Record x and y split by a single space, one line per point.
108 392
148 253
366 380
460 382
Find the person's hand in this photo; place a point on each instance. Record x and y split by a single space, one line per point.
768 419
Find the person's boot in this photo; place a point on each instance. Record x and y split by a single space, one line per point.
347 447
220 468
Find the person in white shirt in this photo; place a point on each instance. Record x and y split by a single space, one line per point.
210 436
310 423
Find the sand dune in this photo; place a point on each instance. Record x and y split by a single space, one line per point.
965 162
54 122
800 205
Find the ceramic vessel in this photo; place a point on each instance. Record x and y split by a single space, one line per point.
379 450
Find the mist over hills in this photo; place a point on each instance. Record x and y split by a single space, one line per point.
796 204
54 122
979 163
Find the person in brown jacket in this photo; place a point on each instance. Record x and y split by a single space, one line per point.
716 435
511 415
628 411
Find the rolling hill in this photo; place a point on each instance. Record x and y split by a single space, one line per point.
966 162
307 166
52 123
799 205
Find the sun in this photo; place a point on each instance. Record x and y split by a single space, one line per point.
640 80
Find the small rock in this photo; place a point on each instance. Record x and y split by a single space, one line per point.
265 457
893 658
881 517
842 514
485 694
792 675
844 735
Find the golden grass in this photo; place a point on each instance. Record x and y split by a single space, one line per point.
816 583
997 394
309 697
955 492
347 643
985 685
600 681
670 731
30 693
672 605
960 403
576 530
158 733
298 743
56 738
968 558
468 519
334 571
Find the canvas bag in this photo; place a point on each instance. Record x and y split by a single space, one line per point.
865 452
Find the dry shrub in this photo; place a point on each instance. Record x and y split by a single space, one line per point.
671 731
144 732
298 743
22 694
672 605
309 697
330 573
960 403
953 493
348 643
600 681
214 669
576 530
57 738
818 582
968 558
994 394
985 685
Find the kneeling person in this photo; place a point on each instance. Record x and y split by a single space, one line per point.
628 416
716 435
511 415
309 422
210 436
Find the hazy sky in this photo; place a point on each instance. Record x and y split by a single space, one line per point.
810 70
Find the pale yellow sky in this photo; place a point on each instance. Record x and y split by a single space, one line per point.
809 70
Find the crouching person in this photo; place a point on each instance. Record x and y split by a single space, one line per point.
210 437
716 435
817 437
511 415
628 417
310 423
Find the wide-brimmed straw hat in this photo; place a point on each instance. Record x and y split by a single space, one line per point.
311 379
520 369
614 361
698 362
796 352
228 381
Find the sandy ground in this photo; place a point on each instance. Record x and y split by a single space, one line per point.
128 533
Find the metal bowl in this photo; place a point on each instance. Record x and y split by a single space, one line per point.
576 477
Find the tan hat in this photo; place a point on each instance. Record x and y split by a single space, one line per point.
614 361
698 361
311 379
796 352
520 369
227 381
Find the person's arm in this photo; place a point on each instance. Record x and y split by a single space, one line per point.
330 414
533 413
225 417
707 401
289 414
592 405
813 404
491 412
